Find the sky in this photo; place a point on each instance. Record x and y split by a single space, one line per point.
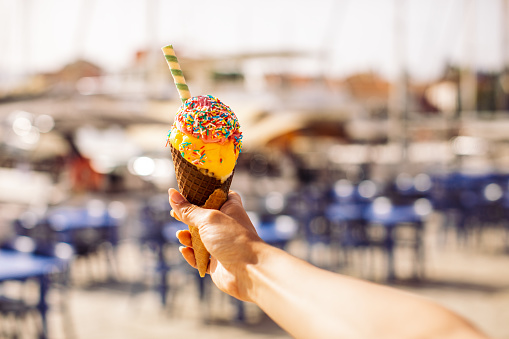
343 36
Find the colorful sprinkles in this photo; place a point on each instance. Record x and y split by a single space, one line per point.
207 118
195 156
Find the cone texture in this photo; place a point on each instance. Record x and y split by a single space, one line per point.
202 190
193 184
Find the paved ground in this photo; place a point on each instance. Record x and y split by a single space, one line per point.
472 279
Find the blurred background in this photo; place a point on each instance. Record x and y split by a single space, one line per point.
376 145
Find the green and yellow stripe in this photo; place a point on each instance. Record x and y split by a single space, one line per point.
176 72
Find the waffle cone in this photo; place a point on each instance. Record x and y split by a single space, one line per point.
203 190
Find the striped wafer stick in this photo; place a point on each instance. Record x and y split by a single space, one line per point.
176 72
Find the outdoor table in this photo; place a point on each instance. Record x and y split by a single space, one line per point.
345 212
82 227
22 266
67 220
85 229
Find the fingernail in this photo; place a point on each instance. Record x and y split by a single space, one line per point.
176 197
181 248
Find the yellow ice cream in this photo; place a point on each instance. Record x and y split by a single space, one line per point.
218 159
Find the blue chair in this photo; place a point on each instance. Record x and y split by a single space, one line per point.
349 224
490 210
470 203
346 213
453 195
383 212
307 207
349 228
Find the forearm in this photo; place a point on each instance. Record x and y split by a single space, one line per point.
282 288
310 302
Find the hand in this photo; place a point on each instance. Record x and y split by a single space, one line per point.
228 235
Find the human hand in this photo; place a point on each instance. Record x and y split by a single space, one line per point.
228 235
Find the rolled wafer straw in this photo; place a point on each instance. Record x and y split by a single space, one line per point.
176 73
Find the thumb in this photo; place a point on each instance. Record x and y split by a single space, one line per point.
184 210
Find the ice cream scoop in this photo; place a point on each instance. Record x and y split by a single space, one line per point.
206 133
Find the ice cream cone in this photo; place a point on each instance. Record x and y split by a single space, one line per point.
205 142
203 190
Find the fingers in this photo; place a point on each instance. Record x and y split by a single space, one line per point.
189 214
184 236
183 210
188 254
234 196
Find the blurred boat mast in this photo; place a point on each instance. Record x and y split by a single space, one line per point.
503 100
82 29
337 16
468 78
398 96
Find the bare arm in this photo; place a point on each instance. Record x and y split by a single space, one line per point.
306 301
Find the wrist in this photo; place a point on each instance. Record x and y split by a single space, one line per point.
253 273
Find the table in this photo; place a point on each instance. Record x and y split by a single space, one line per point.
85 229
345 212
22 266
66 220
